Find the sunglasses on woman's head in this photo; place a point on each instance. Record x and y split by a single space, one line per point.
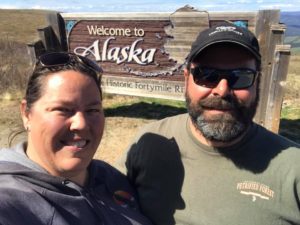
210 77
53 59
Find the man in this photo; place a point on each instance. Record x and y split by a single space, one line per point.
214 165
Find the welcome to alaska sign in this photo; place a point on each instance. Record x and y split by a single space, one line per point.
142 54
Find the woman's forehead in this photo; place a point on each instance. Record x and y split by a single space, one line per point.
68 85
54 81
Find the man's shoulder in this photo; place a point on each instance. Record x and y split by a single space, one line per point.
264 135
280 148
167 124
109 175
105 171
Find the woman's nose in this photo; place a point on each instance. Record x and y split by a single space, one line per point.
78 121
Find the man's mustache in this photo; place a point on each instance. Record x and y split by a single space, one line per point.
220 103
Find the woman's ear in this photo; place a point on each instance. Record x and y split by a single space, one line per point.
25 115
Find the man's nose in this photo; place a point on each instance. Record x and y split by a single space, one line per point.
78 121
222 89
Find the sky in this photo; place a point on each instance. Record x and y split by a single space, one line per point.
149 5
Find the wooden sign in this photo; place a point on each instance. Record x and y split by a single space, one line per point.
132 54
143 54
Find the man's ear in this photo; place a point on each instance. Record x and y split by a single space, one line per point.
186 73
25 114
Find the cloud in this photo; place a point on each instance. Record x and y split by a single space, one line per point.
278 6
6 6
150 5
244 1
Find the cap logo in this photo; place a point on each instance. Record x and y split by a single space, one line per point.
225 29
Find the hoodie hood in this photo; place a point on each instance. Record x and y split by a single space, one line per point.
15 162
17 155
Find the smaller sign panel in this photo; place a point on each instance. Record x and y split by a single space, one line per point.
144 87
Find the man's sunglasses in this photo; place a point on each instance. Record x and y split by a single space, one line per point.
54 59
237 78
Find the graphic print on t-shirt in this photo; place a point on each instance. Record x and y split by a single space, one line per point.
255 190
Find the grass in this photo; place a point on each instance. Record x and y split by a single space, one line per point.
294 65
21 25
294 41
14 66
290 120
290 113
138 107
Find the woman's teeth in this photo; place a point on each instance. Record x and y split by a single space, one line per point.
78 144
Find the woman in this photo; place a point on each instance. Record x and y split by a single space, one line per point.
52 178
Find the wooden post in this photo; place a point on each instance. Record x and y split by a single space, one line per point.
57 23
265 19
275 95
269 86
35 50
49 39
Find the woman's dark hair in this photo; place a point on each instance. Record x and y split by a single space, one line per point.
36 80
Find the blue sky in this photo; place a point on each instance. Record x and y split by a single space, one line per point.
149 5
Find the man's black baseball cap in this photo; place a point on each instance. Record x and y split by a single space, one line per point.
225 33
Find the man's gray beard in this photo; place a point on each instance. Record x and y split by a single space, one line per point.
221 128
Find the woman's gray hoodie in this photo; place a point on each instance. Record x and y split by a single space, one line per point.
29 195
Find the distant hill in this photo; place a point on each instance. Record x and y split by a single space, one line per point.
292 34
291 19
